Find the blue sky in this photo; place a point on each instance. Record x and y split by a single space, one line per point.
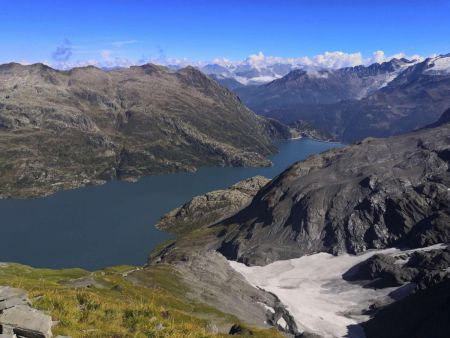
136 30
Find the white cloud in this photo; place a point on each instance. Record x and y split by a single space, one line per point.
379 56
257 60
327 60
338 59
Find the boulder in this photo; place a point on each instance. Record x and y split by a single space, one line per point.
10 297
17 317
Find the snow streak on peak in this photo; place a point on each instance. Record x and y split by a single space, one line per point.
259 68
439 65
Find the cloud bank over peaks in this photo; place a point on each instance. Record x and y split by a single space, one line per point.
258 68
327 60
62 58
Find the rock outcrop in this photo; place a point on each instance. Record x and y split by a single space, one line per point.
423 268
19 319
211 207
297 129
305 129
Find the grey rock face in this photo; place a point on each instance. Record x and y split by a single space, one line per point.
212 281
10 297
376 194
17 317
424 269
384 270
212 207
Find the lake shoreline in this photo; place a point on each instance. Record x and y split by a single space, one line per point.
20 195
113 223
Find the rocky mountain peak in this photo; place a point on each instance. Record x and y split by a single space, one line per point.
150 68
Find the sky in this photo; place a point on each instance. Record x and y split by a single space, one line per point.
123 32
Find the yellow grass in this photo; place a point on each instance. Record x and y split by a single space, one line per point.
116 307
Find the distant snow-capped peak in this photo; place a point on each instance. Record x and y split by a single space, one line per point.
253 71
249 73
439 65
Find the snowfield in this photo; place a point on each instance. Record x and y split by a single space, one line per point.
316 295
441 66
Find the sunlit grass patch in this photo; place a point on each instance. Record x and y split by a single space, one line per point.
109 304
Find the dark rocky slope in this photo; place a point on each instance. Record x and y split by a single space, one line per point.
423 314
423 269
208 274
376 194
63 129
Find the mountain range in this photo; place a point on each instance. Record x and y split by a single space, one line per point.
357 102
64 129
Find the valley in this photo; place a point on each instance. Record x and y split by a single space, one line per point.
214 169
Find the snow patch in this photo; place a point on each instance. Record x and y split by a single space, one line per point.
268 308
282 323
256 80
439 66
316 295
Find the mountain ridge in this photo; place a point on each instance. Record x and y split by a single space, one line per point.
383 100
123 123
